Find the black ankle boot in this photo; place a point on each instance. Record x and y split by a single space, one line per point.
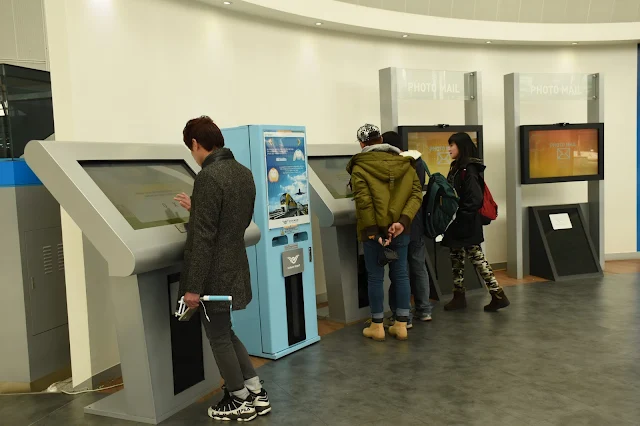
459 301
498 301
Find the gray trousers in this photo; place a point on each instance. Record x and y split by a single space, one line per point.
231 356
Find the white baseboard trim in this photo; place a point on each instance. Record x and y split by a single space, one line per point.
622 256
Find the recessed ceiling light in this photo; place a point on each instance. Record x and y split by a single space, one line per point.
226 3
318 23
488 41
405 35
574 43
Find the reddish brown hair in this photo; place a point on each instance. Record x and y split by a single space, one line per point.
204 131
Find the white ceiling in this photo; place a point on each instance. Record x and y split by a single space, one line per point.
535 11
332 15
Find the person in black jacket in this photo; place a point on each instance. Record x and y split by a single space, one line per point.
464 235
418 274
215 263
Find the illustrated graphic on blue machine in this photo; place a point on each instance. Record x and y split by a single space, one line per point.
287 178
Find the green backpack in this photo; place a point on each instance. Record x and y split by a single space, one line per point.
439 205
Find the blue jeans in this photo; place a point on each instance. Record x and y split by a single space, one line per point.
419 278
397 272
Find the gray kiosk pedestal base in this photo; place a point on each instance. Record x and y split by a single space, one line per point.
346 284
153 367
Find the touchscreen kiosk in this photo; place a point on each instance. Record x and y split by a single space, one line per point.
121 197
334 206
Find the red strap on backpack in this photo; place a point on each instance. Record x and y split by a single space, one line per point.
489 207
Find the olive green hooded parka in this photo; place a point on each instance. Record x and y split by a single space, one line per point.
386 190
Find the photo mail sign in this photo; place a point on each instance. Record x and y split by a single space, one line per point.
292 262
535 87
432 85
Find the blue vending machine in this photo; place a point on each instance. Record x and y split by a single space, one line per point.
282 317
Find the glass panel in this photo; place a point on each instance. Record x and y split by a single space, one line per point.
434 85
144 191
26 109
545 87
332 171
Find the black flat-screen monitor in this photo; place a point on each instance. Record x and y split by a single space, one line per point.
562 153
433 143
144 191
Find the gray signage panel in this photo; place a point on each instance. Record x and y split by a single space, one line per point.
292 262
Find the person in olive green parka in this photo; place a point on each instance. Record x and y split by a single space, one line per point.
388 194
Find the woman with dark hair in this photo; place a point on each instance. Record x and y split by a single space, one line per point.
464 235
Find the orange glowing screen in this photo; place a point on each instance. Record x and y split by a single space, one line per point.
434 147
561 153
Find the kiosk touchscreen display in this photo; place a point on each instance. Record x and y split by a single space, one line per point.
434 145
558 154
144 191
332 171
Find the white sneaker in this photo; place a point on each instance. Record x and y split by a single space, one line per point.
426 318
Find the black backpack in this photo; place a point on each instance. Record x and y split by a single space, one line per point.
440 204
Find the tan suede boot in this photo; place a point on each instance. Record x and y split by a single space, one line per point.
399 330
375 331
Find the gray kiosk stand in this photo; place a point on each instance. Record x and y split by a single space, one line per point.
400 84
334 206
121 197
541 88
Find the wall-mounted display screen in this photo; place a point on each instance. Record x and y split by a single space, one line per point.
332 171
433 143
144 191
553 153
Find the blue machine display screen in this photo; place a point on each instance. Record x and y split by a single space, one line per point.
332 171
144 191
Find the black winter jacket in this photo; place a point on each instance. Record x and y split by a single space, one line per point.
215 258
417 226
466 229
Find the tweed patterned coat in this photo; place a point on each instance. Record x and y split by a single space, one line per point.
215 259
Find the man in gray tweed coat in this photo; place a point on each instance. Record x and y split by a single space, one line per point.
215 263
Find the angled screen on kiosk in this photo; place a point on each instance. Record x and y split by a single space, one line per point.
144 191
433 143
332 171
562 153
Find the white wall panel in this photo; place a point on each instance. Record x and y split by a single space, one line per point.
8 49
29 25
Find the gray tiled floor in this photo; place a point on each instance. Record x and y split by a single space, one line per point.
562 354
